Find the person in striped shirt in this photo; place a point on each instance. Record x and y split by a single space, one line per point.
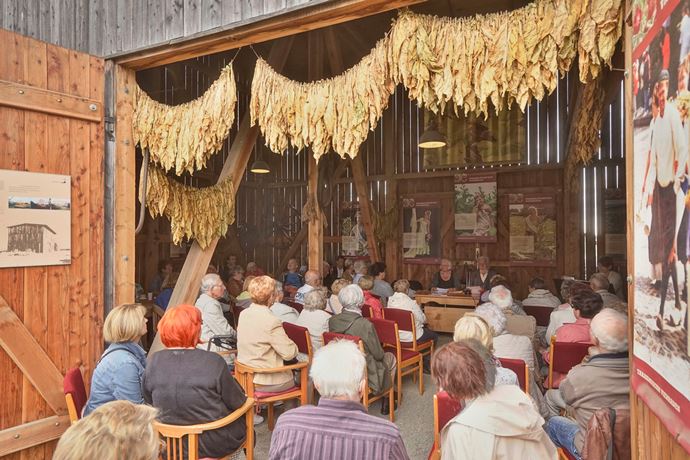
339 428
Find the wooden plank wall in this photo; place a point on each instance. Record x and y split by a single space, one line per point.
651 440
62 306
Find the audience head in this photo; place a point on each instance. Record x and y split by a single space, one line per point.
279 292
231 261
262 289
586 304
351 298
251 266
116 430
609 331
446 265
366 282
483 263
536 283
360 267
499 280
212 286
494 317
578 287
211 269
402 285
338 285
565 289
459 370
312 278
473 326
165 267
170 281
237 273
378 270
487 358
315 299
349 265
340 262
125 323
325 269
292 265
605 264
180 327
338 370
599 282
247 280
501 297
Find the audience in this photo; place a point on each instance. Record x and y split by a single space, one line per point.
540 296
360 267
339 267
382 288
292 280
312 280
333 302
228 265
601 381
235 284
564 313
339 428
163 298
517 322
348 270
244 299
190 386
314 316
446 277
280 310
328 274
496 421
114 431
119 371
473 327
482 276
213 320
254 270
261 340
380 365
600 285
605 267
165 268
366 283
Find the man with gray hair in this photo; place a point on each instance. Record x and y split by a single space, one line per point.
380 364
312 280
212 320
517 322
339 425
600 284
601 381
361 269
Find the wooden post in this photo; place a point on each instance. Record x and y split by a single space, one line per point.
315 225
390 151
364 206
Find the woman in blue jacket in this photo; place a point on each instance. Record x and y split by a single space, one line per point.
119 372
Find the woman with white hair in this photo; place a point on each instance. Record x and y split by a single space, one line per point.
361 269
517 322
279 309
314 317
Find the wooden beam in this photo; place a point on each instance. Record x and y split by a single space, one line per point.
294 247
31 359
315 224
283 23
32 434
42 100
390 150
125 188
364 206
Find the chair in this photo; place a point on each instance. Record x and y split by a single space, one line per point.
445 408
296 305
541 314
174 435
366 311
409 361
368 398
300 335
245 377
405 321
75 393
520 368
236 311
563 356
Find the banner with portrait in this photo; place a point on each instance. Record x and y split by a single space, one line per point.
476 207
354 238
661 230
421 221
532 229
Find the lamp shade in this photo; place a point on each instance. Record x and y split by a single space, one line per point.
431 138
260 167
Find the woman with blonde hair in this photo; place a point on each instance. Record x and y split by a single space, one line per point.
119 372
116 430
334 305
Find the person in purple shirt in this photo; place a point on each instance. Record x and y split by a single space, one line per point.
339 428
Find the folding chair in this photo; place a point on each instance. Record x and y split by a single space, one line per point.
520 368
296 305
541 314
445 408
366 311
75 393
405 321
368 398
563 356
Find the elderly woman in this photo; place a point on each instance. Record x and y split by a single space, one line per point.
517 322
280 310
119 372
245 299
361 268
235 281
190 386
314 316
261 341
380 364
473 327
445 277
333 302
496 421
366 282
214 322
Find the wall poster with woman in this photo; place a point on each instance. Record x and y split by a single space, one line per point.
532 229
475 207
354 238
421 220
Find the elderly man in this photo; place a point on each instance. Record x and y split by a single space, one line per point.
517 322
213 321
540 296
380 364
602 381
482 276
600 284
361 268
312 280
446 277
339 425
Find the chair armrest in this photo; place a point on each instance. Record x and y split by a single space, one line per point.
227 420
274 370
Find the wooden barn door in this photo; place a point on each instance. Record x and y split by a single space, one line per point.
51 121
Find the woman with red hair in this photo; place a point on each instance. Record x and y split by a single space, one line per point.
191 386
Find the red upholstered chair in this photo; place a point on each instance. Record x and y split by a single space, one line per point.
563 356
369 397
520 368
236 311
405 321
564 455
296 305
366 311
445 408
300 335
541 314
409 361
75 393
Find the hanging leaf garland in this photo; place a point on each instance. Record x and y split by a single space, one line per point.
183 137
195 213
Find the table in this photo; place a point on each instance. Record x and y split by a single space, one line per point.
450 308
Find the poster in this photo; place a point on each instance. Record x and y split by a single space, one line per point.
475 207
661 234
35 214
472 140
354 238
421 219
532 229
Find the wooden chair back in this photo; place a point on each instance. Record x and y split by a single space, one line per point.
563 356
75 393
520 368
236 311
541 314
366 311
403 318
299 335
445 408
296 305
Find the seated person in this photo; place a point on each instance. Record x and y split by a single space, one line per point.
243 300
473 327
119 371
600 284
190 386
360 268
213 320
540 296
366 283
280 310
605 267
482 276
312 280
339 420
333 302
517 322
235 284
292 280
564 313
262 341
601 381
228 265
92 437
380 365
446 277
254 270
496 421
165 268
328 274
314 316
382 288
163 298
348 270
